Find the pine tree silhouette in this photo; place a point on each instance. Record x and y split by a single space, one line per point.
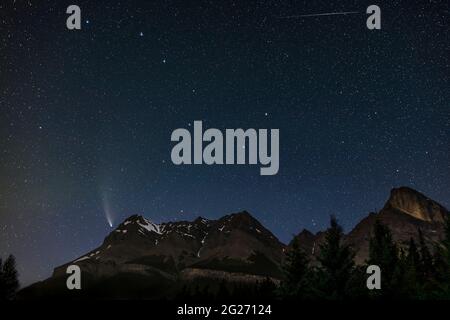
442 264
9 284
426 270
410 266
296 273
266 290
336 265
384 253
223 293
413 257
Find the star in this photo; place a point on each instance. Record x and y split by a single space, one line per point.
92 121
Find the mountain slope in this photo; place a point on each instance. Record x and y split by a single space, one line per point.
141 259
405 212
235 246
170 247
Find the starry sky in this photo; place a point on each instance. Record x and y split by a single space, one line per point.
86 116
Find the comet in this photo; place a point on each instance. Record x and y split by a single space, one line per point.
107 209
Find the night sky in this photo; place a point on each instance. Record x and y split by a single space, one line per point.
86 116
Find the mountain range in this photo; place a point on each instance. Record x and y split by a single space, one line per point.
142 259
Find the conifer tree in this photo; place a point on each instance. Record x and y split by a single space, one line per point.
9 283
413 257
384 253
442 264
295 269
223 293
266 290
427 270
336 265
410 285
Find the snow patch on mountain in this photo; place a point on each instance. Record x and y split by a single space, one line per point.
150 226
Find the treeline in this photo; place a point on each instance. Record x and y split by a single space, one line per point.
415 271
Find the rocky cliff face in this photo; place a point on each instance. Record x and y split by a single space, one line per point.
405 212
415 204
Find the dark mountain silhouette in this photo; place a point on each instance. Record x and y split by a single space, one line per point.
141 259
237 241
148 256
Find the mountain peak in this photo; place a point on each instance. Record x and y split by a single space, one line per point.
242 215
200 219
133 217
304 237
242 219
141 222
306 233
416 204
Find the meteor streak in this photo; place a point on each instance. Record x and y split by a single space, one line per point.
319 14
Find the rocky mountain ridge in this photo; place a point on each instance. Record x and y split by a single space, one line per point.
234 247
